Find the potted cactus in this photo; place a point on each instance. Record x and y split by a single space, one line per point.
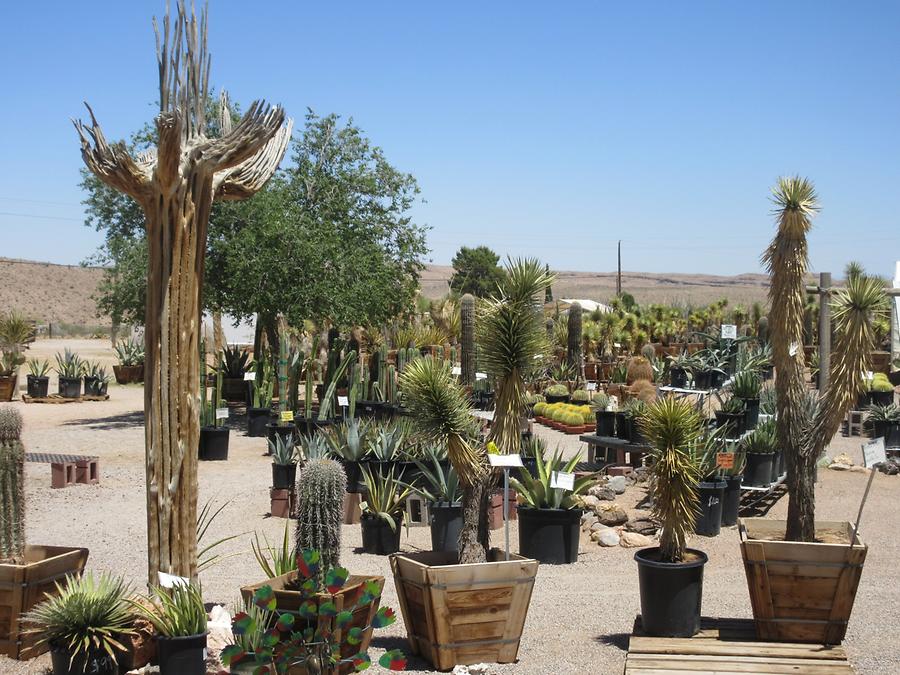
259 408
15 334
732 416
878 391
70 368
28 572
284 462
38 380
130 367
96 381
746 386
884 421
233 363
557 393
605 418
671 575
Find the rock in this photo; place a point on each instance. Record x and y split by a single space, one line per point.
835 466
843 458
645 526
599 526
588 522
474 669
219 628
603 493
617 484
610 513
640 475
608 537
589 501
891 467
634 540
858 469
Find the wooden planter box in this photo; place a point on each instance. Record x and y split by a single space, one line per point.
24 586
129 374
287 600
800 592
8 386
463 614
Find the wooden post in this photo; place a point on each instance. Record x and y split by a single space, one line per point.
824 330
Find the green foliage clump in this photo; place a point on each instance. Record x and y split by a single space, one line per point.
320 507
476 271
535 491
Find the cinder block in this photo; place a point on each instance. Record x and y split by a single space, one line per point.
416 512
87 471
281 503
622 470
62 474
352 512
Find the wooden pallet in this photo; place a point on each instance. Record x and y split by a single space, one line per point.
729 647
56 398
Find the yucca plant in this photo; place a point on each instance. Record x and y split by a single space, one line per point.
385 496
535 491
672 427
86 617
174 612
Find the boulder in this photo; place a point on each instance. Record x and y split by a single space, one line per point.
617 484
608 537
634 540
602 493
644 525
610 513
843 458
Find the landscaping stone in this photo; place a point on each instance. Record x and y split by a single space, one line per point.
587 521
608 537
617 484
610 513
634 540
599 526
645 526
589 501
602 493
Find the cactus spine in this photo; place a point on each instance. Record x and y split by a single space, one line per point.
320 508
467 346
573 351
12 487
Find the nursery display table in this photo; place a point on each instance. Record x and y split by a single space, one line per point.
729 646
635 450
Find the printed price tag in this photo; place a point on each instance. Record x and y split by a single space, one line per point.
873 452
725 460
729 331
456 370
221 413
562 480
287 415
343 401
249 376
504 461
171 581
591 386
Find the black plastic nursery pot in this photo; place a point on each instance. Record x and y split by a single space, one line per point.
95 661
623 428
635 435
38 386
671 593
751 413
446 524
258 420
376 409
70 387
606 423
181 655
731 501
758 470
703 379
557 398
529 465
377 536
889 431
213 444
734 420
776 465
354 475
94 387
678 377
284 476
709 520
549 535
879 397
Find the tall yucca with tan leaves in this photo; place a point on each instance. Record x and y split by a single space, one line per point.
803 437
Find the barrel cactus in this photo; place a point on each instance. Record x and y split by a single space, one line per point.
467 319
573 351
12 487
762 330
320 509
648 351
639 368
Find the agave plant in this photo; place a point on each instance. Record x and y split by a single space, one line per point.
283 450
536 491
672 427
85 616
385 495
38 368
350 440
69 364
314 446
234 362
129 352
385 443
174 612
442 484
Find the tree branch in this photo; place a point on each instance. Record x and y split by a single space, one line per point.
252 133
248 177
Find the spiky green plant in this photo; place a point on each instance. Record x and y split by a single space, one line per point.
510 334
275 562
12 487
37 368
350 441
283 450
174 612
536 491
86 616
442 485
320 507
385 495
69 364
672 427
574 336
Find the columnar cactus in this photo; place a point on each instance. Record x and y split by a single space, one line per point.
467 357
12 487
573 351
762 330
320 509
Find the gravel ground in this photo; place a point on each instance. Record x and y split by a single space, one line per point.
580 615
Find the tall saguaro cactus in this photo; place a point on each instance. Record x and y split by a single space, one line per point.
467 321
573 351
12 487
175 185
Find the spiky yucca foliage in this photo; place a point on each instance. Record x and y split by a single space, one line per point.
87 616
672 427
320 509
12 487
511 333
441 409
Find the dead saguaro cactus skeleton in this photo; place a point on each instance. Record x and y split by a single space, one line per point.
176 184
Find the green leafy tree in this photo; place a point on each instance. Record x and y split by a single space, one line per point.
476 271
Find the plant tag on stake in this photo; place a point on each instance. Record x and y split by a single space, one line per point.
562 480
729 331
591 386
725 460
343 401
794 349
287 415
221 413
873 452
249 376
480 376
171 581
505 461
456 370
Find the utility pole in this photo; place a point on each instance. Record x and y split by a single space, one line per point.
619 275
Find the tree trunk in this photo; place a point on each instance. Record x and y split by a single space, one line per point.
176 227
801 479
474 538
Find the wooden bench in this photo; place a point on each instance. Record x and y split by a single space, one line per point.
66 470
726 646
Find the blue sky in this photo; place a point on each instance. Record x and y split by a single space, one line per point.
547 129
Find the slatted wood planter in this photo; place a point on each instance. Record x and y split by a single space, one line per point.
463 614
801 592
24 586
287 600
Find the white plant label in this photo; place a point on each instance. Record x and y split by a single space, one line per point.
794 349
343 401
613 405
480 376
250 376
873 452
221 413
729 331
591 386
562 480
363 506
171 581
456 370
505 461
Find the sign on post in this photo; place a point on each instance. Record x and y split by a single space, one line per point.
729 331
343 401
725 460
505 461
287 415
249 376
873 452
221 413
562 480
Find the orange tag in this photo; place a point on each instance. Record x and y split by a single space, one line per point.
725 460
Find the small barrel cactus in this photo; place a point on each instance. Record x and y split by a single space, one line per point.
320 509
467 322
639 368
12 487
648 351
